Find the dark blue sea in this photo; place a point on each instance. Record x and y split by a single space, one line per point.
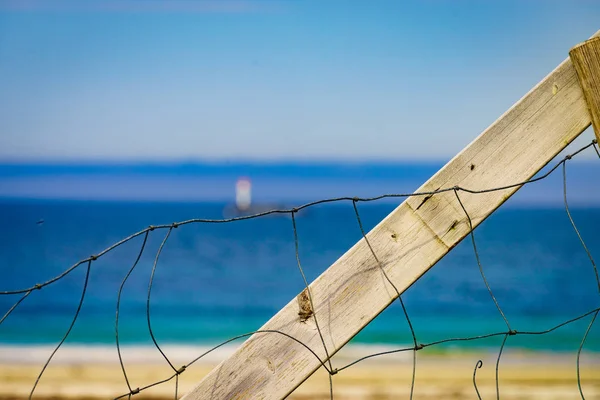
215 281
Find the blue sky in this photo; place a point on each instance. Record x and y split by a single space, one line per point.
139 80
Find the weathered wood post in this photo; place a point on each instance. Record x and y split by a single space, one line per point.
415 236
586 60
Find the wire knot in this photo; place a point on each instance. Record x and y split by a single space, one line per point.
512 332
151 228
93 258
38 286
333 371
134 391
180 370
174 225
355 199
419 347
568 157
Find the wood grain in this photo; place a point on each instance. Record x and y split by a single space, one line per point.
586 60
409 241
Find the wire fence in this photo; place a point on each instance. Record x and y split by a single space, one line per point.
325 363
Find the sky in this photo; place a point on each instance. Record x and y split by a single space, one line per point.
158 80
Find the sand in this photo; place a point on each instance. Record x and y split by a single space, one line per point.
439 376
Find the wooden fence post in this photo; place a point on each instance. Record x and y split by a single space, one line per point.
586 59
409 241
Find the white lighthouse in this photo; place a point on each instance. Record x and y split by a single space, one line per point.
243 194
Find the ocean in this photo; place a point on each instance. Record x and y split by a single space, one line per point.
215 281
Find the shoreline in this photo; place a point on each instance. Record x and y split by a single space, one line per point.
101 353
85 372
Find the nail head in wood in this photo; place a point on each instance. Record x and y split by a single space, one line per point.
351 292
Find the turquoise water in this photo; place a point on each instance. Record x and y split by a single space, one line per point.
214 281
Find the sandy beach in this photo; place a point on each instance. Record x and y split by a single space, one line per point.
439 376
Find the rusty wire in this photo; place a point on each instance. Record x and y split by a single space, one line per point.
325 363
